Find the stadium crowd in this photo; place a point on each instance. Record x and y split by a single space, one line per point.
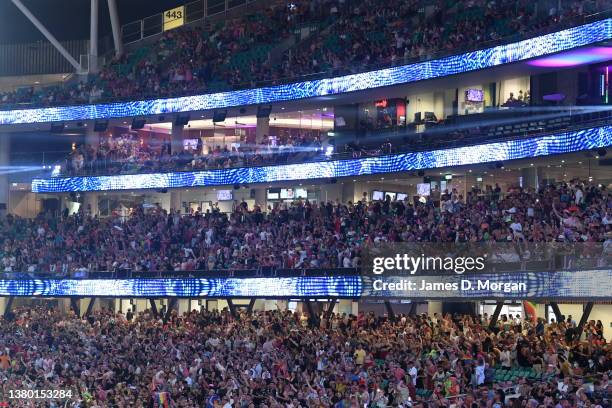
128 153
277 359
301 234
352 36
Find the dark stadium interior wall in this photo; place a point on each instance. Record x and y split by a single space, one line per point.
468 308
69 19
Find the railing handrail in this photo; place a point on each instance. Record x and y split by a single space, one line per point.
264 273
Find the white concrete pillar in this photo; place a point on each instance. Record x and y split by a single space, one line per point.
93 37
345 306
175 200
529 177
183 306
63 305
354 308
260 198
116 27
221 304
5 162
434 307
263 128
3 302
282 305
331 192
90 203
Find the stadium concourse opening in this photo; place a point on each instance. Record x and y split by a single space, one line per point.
306 204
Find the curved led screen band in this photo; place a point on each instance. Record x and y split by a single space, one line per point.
581 284
499 151
564 40
320 287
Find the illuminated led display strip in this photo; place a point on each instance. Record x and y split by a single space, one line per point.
581 284
499 151
321 287
591 33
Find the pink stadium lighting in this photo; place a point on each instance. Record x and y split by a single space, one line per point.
573 58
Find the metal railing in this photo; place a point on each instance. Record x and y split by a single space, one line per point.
530 266
194 11
38 58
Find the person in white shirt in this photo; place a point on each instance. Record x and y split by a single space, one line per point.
480 372
579 196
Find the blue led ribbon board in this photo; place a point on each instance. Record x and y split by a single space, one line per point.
577 285
564 40
499 151
316 287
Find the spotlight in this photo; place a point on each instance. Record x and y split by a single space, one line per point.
601 152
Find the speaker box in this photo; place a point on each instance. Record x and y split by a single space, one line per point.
138 123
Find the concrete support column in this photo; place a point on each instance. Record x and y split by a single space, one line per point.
260 198
63 305
5 154
90 203
116 27
177 138
93 38
345 306
263 129
3 302
183 306
530 176
434 307
282 305
331 192
175 200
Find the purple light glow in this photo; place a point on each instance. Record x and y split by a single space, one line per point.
573 58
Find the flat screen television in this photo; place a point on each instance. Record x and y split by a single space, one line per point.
423 189
225 195
378 195
474 95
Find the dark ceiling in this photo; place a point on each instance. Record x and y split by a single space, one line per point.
69 19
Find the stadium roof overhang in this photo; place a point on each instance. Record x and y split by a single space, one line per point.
584 44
